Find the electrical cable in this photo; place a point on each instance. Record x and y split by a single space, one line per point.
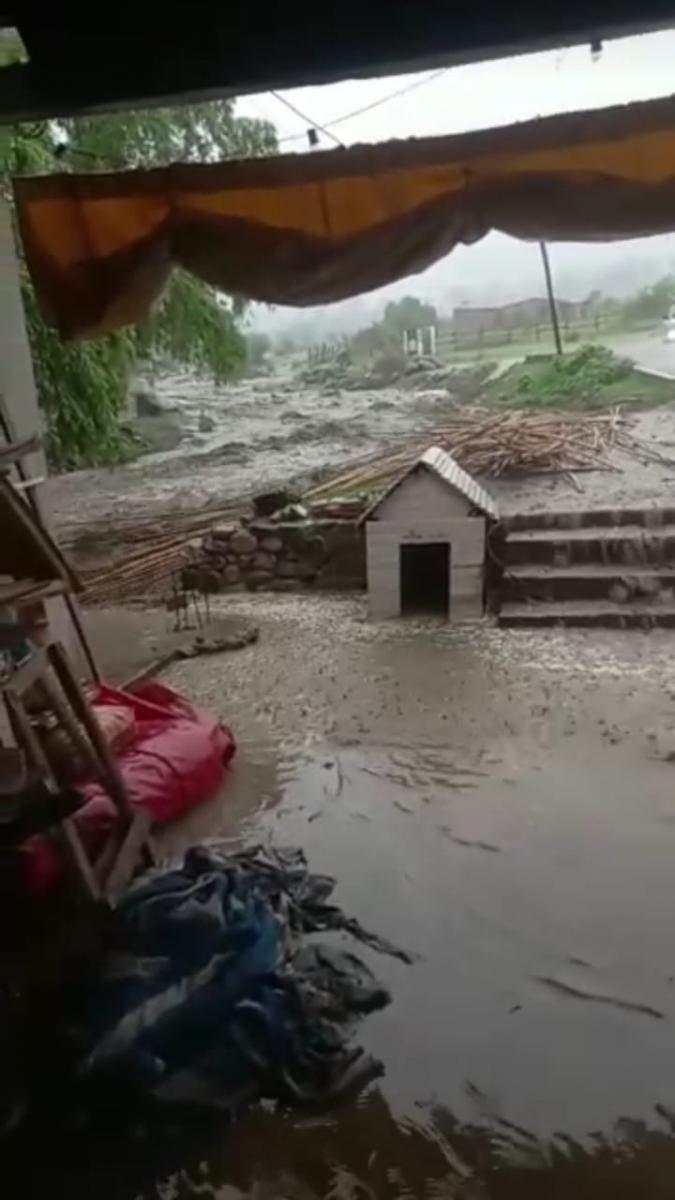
392 96
357 112
303 117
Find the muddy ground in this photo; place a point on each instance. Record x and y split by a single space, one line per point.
500 803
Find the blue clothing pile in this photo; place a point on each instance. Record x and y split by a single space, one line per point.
214 995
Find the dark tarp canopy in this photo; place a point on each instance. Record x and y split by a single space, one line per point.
310 229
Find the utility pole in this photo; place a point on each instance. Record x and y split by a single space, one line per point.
551 298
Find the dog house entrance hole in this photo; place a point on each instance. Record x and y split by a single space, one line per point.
425 578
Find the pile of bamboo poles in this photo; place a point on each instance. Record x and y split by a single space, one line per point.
485 443
490 445
144 556
518 442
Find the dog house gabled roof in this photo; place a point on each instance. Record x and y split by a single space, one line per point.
442 464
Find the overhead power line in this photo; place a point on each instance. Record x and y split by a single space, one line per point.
358 112
410 87
303 117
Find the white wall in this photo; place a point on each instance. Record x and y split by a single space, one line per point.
422 496
17 382
466 536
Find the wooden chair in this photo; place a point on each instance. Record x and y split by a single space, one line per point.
48 672
38 571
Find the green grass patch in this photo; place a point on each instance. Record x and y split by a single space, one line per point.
592 377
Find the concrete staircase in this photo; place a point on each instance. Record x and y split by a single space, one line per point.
605 568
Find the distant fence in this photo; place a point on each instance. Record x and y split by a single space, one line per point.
327 351
451 341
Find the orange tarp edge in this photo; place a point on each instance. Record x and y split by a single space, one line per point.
309 229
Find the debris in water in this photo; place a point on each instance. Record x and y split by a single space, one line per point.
595 998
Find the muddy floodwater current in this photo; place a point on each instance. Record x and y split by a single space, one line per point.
501 805
275 429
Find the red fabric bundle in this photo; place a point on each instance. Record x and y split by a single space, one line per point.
176 760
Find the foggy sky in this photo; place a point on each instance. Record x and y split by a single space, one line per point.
478 96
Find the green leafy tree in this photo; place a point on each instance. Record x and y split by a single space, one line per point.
82 390
82 387
651 303
409 313
375 339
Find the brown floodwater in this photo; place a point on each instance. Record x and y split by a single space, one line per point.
528 1050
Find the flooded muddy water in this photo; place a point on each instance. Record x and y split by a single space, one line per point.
272 430
528 1049
269 430
498 804
263 431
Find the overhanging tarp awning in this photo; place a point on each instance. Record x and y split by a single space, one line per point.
309 229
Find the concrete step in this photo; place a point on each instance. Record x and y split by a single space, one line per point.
586 581
645 518
623 545
590 613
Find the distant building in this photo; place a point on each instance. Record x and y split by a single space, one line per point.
518 315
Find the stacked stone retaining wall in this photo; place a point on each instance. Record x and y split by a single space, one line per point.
280 556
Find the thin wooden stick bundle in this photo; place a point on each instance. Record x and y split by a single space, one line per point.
145 552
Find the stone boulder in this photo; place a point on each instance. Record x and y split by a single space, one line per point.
223 533
243 543
230 575
264 562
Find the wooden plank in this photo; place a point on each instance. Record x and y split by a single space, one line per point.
27 674
134 849
27 551
29 590
25 485
25 733
13 451
68 720
108 770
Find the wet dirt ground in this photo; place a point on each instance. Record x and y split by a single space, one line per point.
500 803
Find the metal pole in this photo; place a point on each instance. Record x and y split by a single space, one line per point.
551 298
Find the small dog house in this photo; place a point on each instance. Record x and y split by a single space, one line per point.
426 540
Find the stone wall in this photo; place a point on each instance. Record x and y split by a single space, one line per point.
280 556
